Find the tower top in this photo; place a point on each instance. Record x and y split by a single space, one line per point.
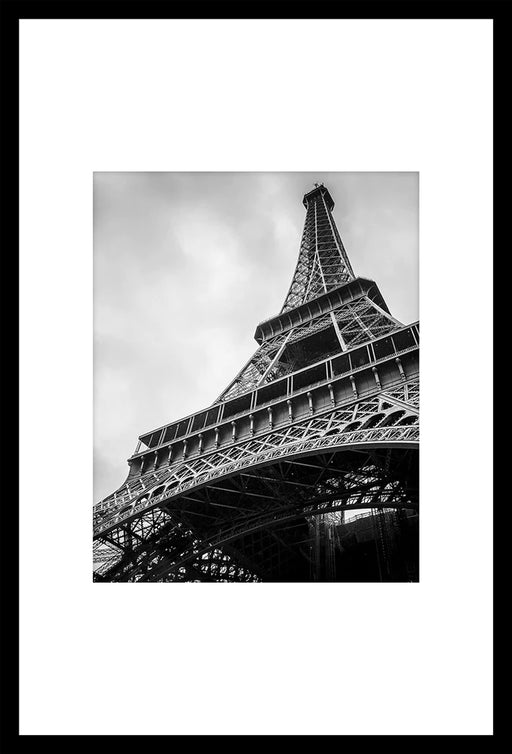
319 190
323 263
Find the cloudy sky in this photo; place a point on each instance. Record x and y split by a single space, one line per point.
187 264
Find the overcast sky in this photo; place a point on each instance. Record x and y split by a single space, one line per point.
187 264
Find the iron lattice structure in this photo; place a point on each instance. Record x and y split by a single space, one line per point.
321 421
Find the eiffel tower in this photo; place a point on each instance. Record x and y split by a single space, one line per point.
314 441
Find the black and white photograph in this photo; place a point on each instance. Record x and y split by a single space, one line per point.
238 513
305 465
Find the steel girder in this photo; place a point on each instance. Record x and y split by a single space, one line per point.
355 323
389 417
256 522
262 485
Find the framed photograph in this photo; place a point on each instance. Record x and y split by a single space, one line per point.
229 231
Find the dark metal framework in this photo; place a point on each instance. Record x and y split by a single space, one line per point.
323 419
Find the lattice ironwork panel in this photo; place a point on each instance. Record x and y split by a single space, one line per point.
323 263
358 322
259 520
363 422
